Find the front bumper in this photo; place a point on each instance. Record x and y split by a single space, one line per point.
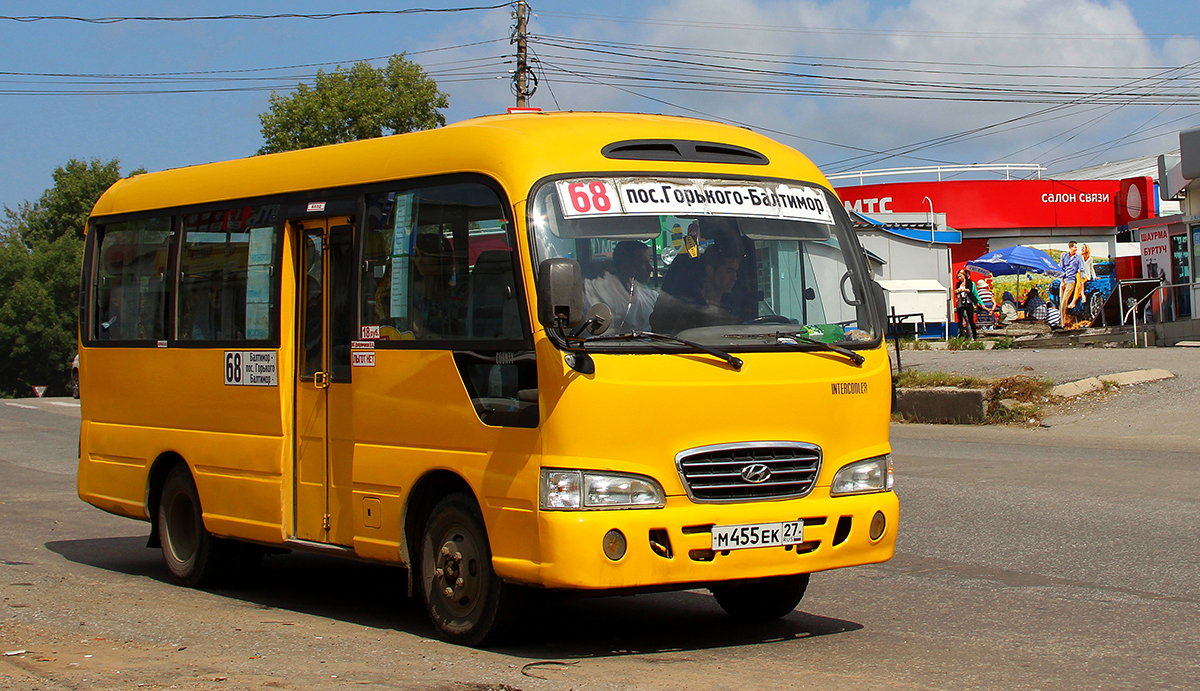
835 533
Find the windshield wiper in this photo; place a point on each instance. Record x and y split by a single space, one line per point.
785 336
734 362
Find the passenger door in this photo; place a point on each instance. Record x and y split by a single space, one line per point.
324 446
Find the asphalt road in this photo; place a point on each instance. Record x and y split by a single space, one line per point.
1162 415
1027 559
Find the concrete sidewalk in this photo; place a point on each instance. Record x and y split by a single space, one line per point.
1164 412
1061 365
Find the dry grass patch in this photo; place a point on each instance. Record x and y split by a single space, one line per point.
1024 395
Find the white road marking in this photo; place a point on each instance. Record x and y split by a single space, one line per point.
21 405
64 404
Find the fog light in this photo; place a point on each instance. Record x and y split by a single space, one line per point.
614 545
878 523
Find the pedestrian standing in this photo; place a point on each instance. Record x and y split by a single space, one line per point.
966 299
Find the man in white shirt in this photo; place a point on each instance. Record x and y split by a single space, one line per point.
624 288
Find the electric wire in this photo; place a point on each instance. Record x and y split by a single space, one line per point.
691 75
860 31
29 19
856 63
718 118
632 68
956 136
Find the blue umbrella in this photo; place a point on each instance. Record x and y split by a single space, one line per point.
1017 259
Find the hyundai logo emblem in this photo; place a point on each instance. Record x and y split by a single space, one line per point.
756 473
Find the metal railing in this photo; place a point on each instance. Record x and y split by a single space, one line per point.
896 322
1166 299
1006 168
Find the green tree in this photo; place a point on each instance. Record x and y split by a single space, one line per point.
64 208
41 247
357 103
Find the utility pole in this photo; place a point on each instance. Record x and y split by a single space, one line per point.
521 80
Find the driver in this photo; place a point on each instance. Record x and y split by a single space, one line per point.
700 303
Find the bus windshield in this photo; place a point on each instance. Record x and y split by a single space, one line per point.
732 263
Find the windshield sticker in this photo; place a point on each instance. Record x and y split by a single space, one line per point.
640 196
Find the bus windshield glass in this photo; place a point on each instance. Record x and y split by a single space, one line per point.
740 264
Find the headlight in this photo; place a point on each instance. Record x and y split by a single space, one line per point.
871 475
577 489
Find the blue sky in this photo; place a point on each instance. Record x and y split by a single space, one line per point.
855 84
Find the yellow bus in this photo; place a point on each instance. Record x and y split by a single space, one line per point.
591 352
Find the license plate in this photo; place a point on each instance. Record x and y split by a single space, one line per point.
757 535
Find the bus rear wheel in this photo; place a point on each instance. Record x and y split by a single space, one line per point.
466 601
194 556
762 600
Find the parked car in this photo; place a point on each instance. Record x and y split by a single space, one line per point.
75 377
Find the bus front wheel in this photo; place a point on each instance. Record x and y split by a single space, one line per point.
466 601
762 600
193 555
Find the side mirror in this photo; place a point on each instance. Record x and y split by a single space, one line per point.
879 299
560 293
871 307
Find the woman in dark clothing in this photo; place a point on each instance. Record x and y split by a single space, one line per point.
966 299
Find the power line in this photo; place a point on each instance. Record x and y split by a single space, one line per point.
719 118
247 70
835 62
934 142
254 17
691 74
836 31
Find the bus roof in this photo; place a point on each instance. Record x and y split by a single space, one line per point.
516 149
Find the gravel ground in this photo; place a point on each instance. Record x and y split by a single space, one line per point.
1060 364
1162 413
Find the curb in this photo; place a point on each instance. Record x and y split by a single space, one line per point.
952 405
1077 388
942 404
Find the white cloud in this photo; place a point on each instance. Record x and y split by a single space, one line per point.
1030 44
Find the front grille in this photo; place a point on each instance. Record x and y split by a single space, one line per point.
719 473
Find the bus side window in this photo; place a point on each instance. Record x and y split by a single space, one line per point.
129 297
438 265
227 291
439 269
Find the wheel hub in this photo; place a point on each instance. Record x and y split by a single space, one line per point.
456 579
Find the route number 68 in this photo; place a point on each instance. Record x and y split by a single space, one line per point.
590 197
233 367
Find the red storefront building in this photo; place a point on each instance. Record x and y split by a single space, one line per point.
992 214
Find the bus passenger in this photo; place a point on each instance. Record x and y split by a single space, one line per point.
624 288
435 312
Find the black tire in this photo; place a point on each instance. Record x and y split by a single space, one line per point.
74 383
194 556
467 602
761 600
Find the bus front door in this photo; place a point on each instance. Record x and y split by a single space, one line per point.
324 445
